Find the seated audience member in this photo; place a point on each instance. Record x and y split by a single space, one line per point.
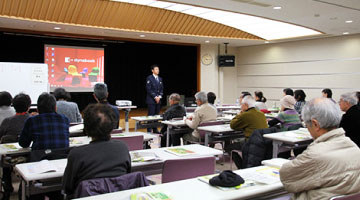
48 130
101 94
260 101
248 120
69 109
14 125
350 121
288 115
203 113
101 158
5 106
327 93
330 165
174 111
10 130
288 91
211 98
358 96
299 96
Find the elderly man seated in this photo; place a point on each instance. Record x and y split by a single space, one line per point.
203 113
350 121
248 120
330 165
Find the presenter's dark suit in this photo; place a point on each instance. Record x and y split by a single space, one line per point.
154 88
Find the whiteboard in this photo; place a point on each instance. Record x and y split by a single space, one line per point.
29 78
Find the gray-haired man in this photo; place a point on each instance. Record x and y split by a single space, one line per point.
350 121
203 113
330 165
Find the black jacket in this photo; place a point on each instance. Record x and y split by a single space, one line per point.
257 148
174 111
350 122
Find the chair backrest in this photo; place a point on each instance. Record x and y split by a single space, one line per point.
133 142
49 154
115 131
180 169
106 185
210 123
9 139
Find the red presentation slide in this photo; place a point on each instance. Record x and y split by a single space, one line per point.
74 68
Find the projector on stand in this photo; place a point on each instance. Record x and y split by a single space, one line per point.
123 103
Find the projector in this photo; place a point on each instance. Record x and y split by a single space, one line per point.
123 103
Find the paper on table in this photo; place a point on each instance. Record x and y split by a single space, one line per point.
10 147
275 162
299 134
150 196
42 167
143 156
180 151
266 175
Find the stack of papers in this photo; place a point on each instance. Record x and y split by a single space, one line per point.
42 167
180 151
10 147
143 156
299 134
265 175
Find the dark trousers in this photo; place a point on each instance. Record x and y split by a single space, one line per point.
153 109
174 139
235 156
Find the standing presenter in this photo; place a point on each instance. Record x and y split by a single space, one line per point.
154 90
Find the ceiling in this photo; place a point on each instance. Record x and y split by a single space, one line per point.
327 16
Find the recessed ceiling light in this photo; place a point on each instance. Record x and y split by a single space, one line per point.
345 33
348 21
267 42
142 35
277 7
207 41
57 28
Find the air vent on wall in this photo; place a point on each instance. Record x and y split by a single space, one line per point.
253 2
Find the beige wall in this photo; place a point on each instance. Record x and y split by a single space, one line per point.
221 81
310 65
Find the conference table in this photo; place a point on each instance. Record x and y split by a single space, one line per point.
127 110
195 188
147 121
16 149
222 129
33 183
292 138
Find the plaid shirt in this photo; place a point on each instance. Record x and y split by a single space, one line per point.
46 131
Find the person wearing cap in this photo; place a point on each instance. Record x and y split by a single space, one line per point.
350 121
101 94
203 113
329 166
288 115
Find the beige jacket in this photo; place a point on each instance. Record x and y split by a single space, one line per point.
203 113
330 166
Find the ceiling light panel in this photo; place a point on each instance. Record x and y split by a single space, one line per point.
261 27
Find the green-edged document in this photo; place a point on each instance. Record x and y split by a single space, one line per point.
150 196
180 151
206 179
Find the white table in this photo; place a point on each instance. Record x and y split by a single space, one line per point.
295 137
195 189
231 112
147 136
216 129
147 121
28 178
170 124
229 107
127 110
